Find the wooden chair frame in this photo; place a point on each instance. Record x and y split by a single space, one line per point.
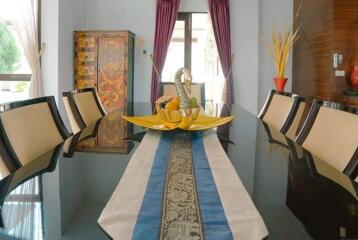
76 112
11 106
297 100
352 167
202 90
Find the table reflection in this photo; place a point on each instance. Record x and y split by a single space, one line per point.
317 194
106 135
298 195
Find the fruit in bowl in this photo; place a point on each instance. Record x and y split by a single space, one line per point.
169 111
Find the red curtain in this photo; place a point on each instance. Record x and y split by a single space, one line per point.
220 17
166 16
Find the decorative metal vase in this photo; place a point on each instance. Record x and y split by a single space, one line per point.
354 76
280 83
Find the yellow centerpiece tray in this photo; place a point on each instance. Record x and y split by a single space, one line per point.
202 122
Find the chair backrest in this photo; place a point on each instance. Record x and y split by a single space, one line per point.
197 91
296 115
331 133
30 128
6 164
283 111
84 106
72 114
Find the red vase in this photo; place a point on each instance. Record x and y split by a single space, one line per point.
354 76
280 83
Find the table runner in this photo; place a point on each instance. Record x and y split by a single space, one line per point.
181 185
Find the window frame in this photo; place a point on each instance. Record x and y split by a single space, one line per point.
187 18
15 77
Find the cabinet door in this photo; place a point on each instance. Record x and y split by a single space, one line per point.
112 72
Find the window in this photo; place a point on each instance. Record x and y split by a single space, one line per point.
22 211
15 72
193 46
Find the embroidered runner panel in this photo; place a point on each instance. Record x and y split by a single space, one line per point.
181 213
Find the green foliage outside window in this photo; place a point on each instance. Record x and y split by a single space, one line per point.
9 52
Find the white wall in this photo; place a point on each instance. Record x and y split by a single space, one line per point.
279 12
244 38
59 19
49 35
71 18
251 21
139 17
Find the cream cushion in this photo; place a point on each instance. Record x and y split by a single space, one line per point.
333 137
31 131
278 111
73 123
87 107
291 133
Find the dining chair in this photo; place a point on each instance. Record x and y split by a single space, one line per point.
6 164
83 107
331 133
72 113
197 91
283 111
30 128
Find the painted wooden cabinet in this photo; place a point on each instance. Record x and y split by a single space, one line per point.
105 60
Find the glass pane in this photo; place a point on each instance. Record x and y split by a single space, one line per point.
205 63
13 91
12 58
175 55
25 200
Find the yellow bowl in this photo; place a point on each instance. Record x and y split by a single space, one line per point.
176 116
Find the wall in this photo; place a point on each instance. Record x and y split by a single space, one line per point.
328 27
251 85
252 67
71 18
345 41
280 13
123 14
313 51
58 21
49 36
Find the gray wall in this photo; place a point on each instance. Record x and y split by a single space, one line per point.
252 67
58 21
70 19
49 35
279 12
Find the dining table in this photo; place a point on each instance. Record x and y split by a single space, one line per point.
114 180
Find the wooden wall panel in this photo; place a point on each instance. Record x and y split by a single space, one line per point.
345 40
313 50
327 27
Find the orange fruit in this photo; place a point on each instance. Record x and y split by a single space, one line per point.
176 99
172 105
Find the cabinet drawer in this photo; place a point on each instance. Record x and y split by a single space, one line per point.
85 83
86 70
86 42
86 56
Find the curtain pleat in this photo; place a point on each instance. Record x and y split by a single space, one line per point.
166 16
220 18
26 28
